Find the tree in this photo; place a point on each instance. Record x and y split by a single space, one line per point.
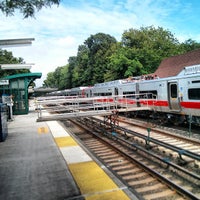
58 78
6 57
190 45
70 74
99 49
117 65
150 46
90 64
63 77
101 58
26 7
50 80
134 69
81 75
123 63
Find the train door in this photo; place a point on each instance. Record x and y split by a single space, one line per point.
116 91
174 103
137 92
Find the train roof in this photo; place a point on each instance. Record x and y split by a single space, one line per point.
173 66
109 83
79 88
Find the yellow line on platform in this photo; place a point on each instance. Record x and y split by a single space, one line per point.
42 130
94 183
65 141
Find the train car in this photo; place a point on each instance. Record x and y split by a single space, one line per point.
88 91
55 93
79 91
174 99
65 92
107 88
58 93
189 92
177 96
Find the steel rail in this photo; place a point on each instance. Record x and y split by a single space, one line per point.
167 161
145 167
179 150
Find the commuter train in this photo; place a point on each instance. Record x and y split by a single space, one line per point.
175 99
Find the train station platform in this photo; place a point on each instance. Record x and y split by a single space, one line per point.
41 160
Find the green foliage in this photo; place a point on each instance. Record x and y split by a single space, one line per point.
72 64
91 61
101 58
50 80
57 79
190 45
98 50
26 7
151 45
7 57
134 69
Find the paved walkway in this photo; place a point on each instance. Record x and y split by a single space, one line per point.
31 165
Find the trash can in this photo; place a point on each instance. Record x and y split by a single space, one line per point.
7 99
3 122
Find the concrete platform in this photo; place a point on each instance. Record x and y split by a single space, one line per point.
42 161
31 165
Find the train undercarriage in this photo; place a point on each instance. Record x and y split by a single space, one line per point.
163 118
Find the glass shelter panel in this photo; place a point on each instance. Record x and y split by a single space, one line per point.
18 90
19 96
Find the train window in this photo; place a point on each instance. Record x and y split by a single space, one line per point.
129 94
174 90
194 93
197 81
95 94
124 93
103 94
152 94
106 94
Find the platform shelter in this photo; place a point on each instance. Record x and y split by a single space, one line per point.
14 90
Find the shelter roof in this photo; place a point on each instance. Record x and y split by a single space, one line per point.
24 75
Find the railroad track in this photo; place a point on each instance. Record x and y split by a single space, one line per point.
167 148
148 176
179 182
183 144
180 145
179 133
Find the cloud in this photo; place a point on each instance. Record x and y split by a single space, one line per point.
58 31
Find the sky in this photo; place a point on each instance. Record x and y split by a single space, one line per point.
59 30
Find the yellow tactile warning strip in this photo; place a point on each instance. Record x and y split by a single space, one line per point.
65 141
92 180
42 130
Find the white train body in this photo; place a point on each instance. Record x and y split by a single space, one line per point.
175 97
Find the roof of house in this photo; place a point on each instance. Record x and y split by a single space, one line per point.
172 66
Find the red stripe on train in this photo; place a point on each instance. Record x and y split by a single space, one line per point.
152 102
194 105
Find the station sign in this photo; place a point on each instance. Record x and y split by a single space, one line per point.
192 69
4 82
